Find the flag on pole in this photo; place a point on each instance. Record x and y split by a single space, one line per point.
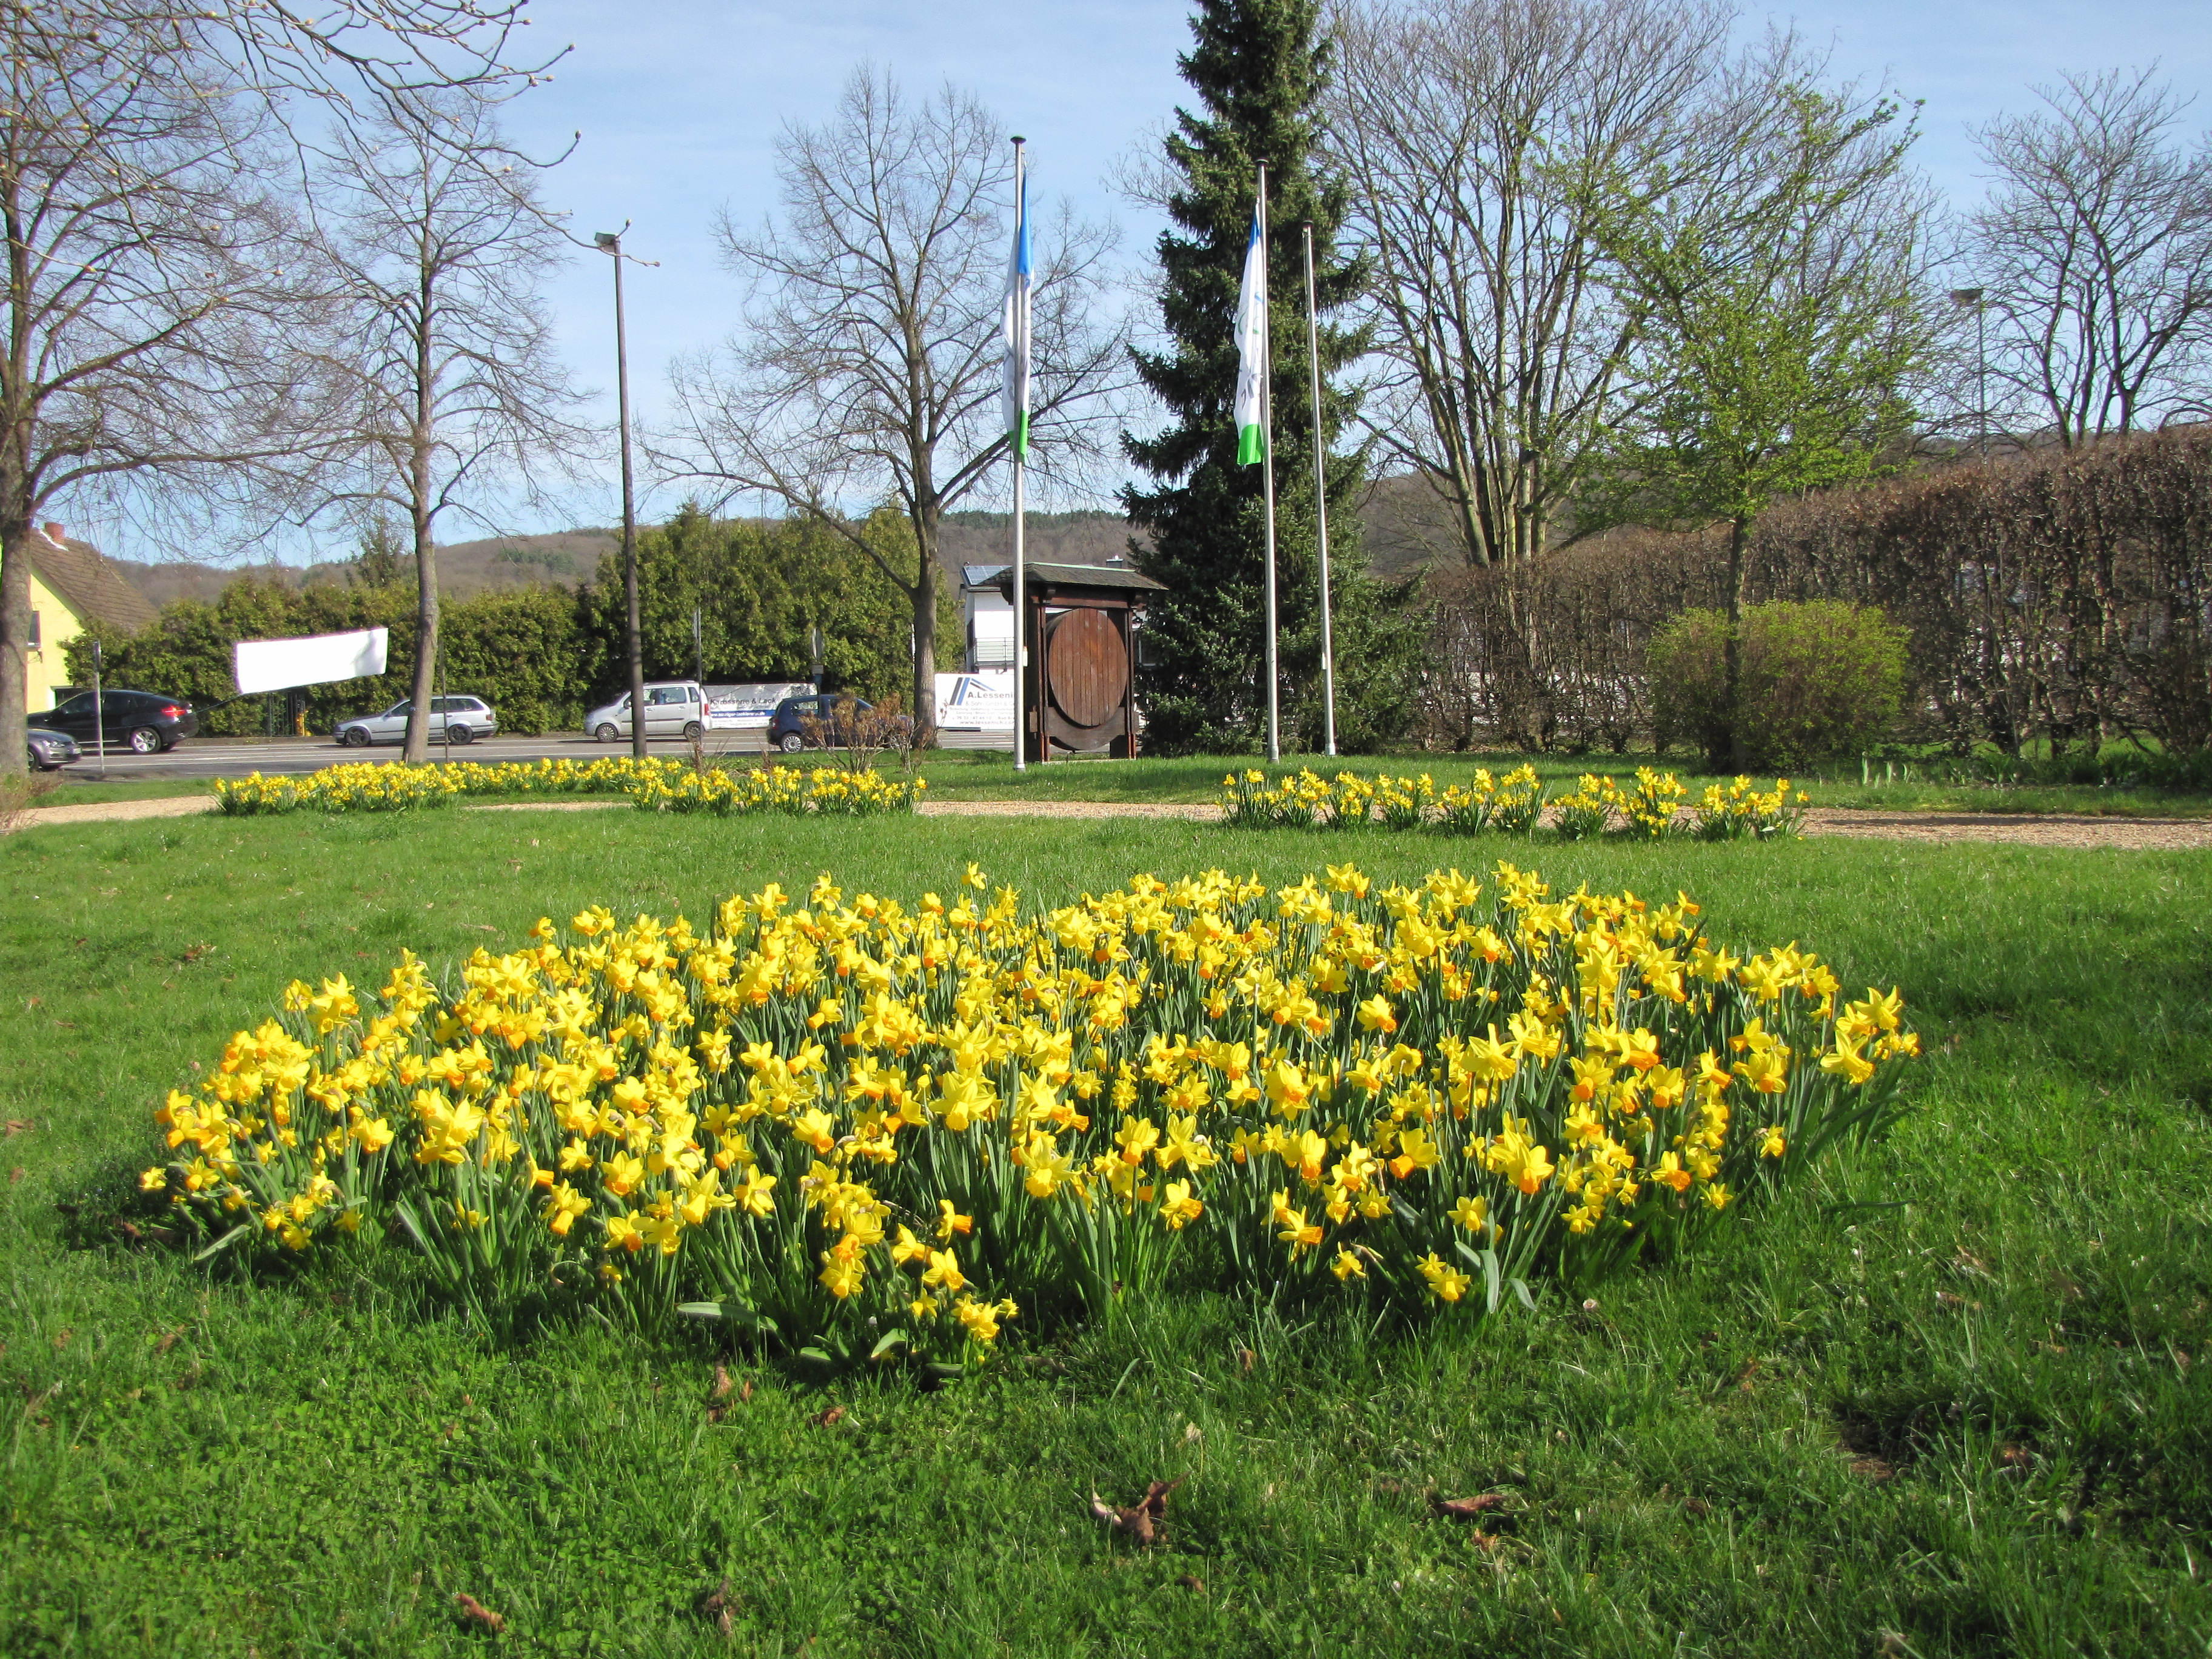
1016 371
1252 350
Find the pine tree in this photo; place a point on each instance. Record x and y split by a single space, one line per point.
1259 67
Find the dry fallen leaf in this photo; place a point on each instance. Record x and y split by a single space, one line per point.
168 1341
1872 1469
1697 1506
718 1606
722 1383
1140 1520
829 1417
472 1608
745 1390
17 1126
1466 1509
1191 1581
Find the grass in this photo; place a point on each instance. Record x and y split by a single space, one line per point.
1950 1399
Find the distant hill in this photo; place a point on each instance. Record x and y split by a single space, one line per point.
1405 529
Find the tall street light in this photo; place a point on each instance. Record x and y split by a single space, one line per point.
609 243
1972 296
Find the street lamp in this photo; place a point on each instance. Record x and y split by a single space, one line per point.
1972 296
609 243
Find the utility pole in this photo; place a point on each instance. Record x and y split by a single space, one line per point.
1321 499
609 242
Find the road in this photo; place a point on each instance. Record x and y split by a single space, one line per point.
230 757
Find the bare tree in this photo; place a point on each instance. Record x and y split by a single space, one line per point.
2095 250
446 353
1472 132
146 282
870 369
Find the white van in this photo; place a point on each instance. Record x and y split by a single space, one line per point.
673 708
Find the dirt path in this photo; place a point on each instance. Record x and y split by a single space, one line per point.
2023 829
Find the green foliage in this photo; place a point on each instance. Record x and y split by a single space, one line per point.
1259 67
759 588
1818 679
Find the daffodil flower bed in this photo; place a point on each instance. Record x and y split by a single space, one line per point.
665 784
850 1128
1651 808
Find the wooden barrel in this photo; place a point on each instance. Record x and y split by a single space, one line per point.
1089 667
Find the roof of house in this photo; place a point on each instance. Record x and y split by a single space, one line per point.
87 583
1051 574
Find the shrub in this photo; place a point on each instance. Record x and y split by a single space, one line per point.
1818 679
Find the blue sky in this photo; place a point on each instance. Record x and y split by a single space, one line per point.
680 103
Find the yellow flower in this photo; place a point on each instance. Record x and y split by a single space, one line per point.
154 1180
1446 1282
951 1221
562 1206
1178 1208
1347 1265
1472 1213
944 1272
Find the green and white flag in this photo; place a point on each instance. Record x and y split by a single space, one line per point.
1252 351
1016 389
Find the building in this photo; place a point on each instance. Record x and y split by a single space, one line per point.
71 585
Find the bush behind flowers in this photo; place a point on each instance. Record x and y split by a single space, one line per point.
851 1128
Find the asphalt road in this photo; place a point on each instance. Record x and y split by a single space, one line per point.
231 757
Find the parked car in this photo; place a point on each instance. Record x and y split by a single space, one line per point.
50 750
148 721
453 720
673 708
818 719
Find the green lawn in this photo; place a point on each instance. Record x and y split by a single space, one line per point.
1955 1391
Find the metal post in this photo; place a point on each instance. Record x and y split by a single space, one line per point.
610 243
1021 590
99 714
1267 475
1320 500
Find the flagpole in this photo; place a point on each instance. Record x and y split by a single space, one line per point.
1015 440
1267 475
1321 499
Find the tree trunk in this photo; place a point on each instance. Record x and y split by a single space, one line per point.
418 750
1732 651
925 633
15 634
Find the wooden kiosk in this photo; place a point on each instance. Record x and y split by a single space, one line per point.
1079 694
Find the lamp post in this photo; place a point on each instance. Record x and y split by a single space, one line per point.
1972 296
609 243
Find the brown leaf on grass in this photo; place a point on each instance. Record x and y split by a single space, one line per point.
15 1175
169 1339
719 1607
722 1382
745 1390
2013 1457
20 1126
829 1417
1697 1506
472 1608
1142 1518
61 1338
1873 1468
1191 1581
1245 1358
1466 1509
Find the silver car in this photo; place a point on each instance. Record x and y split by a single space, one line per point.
453 720
673 708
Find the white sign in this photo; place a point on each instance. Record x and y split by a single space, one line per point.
281 664
742 706
976 702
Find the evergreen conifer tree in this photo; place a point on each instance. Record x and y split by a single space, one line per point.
1259 68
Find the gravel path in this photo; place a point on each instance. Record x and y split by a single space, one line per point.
2023 829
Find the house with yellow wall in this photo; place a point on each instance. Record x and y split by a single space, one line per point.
71 585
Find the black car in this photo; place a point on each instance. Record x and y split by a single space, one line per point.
50 750
147 721
809 721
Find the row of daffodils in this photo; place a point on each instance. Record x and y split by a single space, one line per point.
852 1128
1651 808
658 784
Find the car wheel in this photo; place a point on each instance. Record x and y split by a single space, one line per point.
691 732
145 740
354 738
607 734
792 743
459 734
